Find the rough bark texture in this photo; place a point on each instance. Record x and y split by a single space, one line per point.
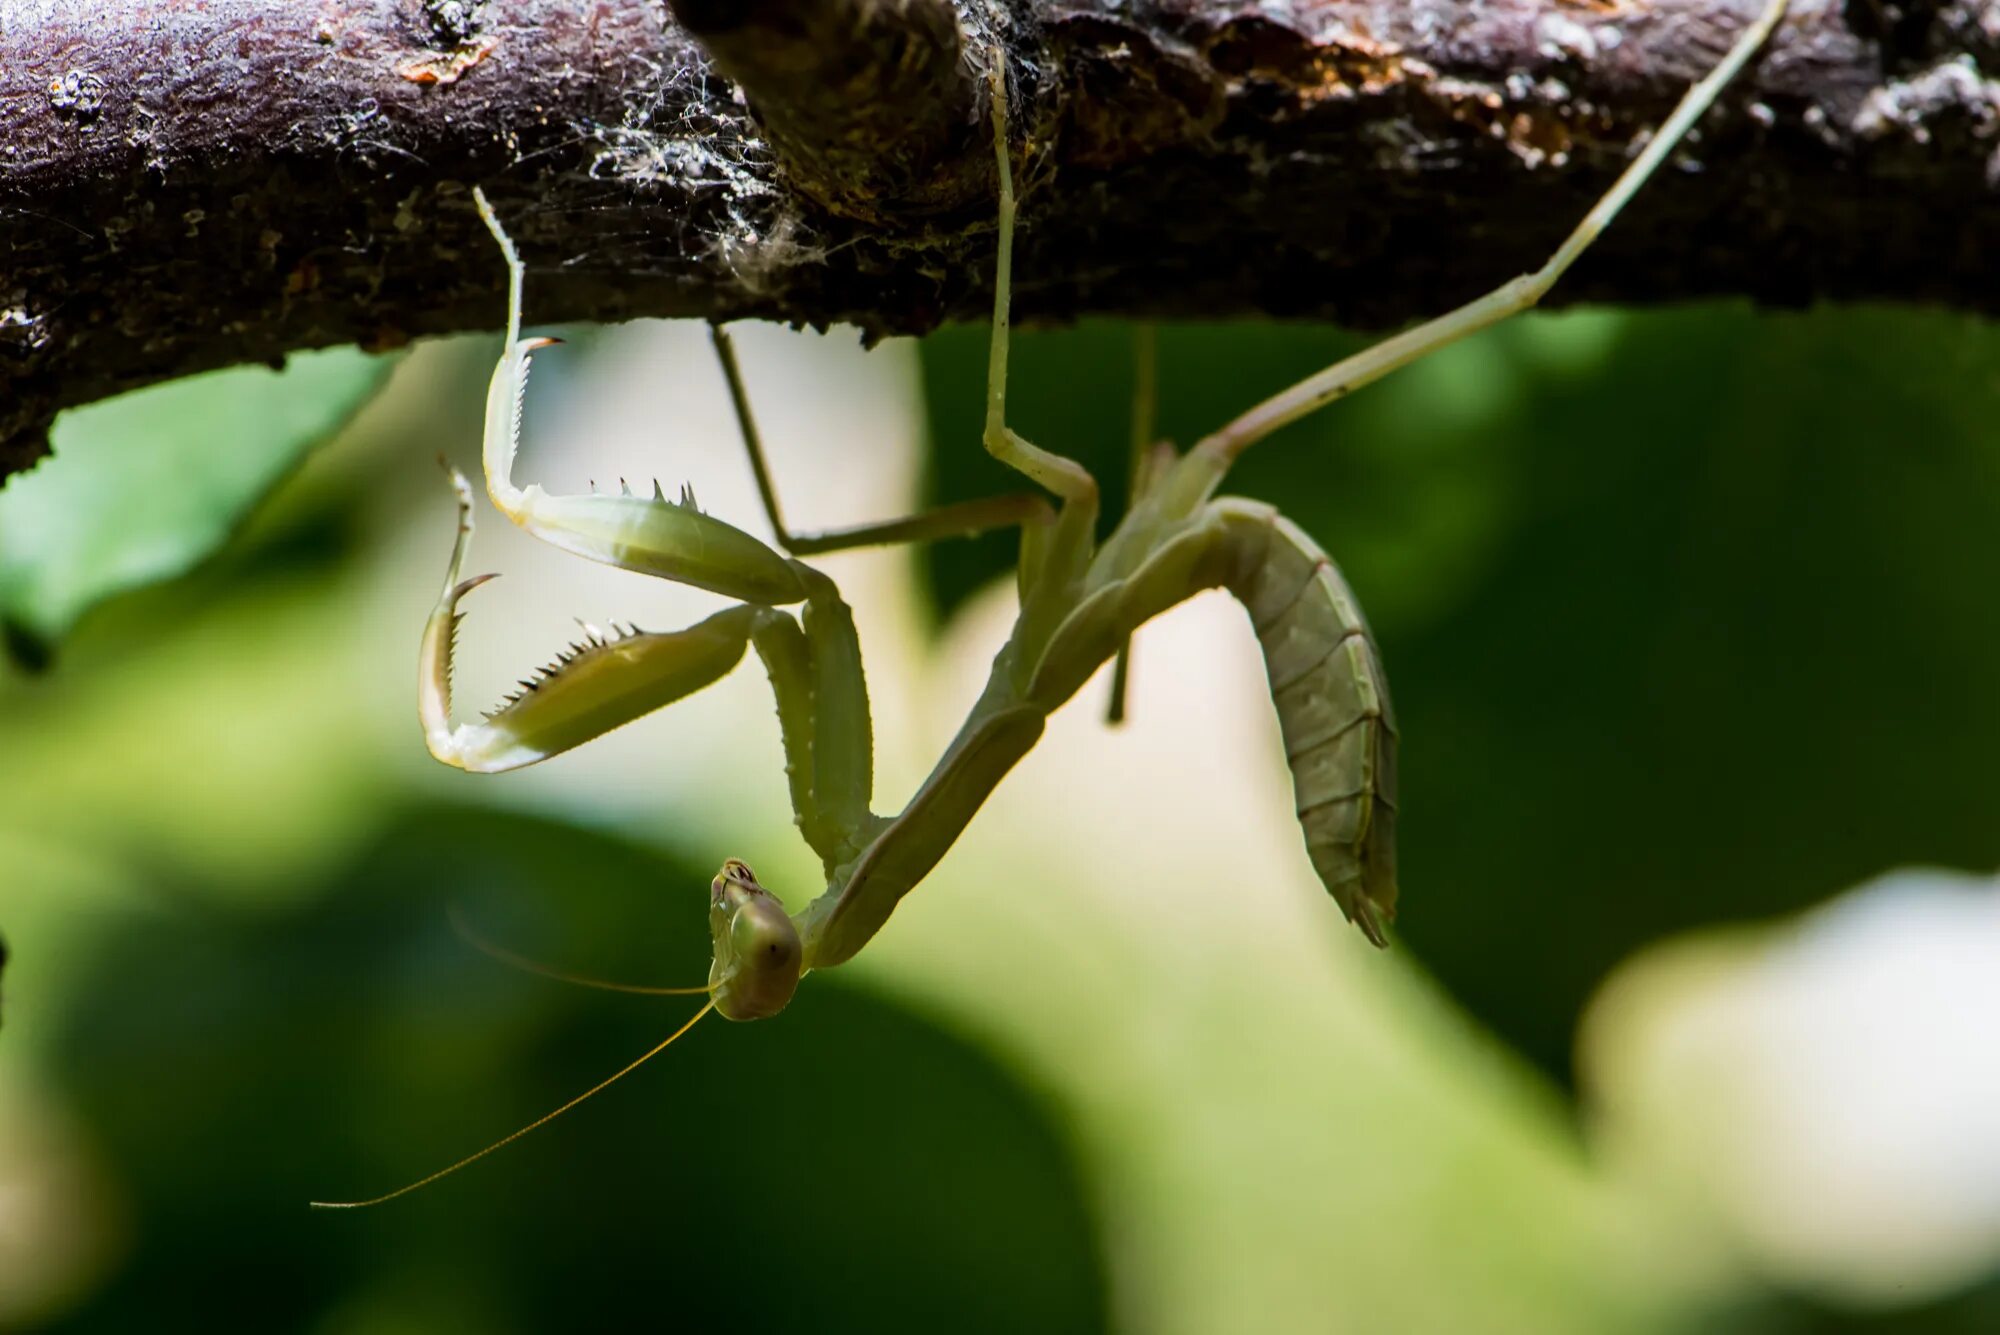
187 184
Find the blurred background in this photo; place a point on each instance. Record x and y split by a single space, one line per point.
1690 1023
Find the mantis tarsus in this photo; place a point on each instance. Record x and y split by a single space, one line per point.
1080 601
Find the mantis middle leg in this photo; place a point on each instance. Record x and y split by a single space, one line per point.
1064 535
964 519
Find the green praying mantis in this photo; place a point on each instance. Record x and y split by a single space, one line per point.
1079 603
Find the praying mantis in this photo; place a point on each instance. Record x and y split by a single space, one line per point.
1079 603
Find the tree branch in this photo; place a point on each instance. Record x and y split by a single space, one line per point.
190 185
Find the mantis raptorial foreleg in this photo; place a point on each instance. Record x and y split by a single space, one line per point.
609 679
1080 603
604 681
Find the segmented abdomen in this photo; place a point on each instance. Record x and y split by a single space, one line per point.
1333 708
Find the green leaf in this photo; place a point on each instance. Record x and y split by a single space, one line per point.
1735 650
854 1166
143 487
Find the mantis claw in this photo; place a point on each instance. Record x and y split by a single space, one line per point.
470 583
595 686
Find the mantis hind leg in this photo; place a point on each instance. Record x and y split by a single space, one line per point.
1206 464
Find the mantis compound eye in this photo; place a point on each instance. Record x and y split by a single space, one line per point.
758 957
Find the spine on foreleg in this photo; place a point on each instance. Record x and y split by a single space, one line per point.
1333 708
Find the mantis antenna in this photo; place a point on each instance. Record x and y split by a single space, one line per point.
541 1121
486 946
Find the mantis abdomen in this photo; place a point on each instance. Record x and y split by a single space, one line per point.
1333 707
1326 682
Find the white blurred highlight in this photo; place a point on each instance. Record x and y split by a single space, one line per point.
1824 1096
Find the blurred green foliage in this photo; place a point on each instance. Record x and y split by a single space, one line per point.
813 1175
1688 616
138 489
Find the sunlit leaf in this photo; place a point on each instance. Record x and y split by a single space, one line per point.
143 487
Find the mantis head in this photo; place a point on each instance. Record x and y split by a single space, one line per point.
758 956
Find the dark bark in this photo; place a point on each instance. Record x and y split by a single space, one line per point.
187 184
